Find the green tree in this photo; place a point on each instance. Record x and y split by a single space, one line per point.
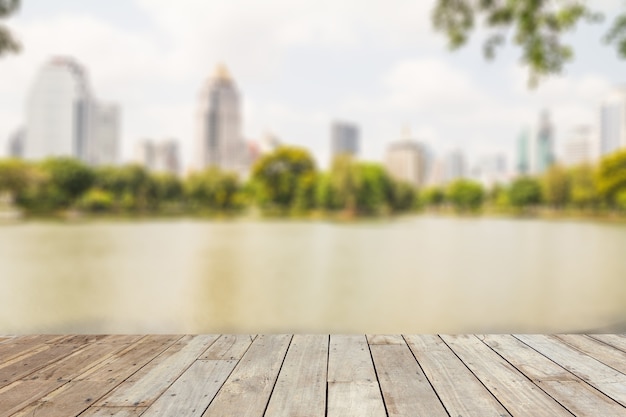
213 189
432 197
132 186
68 180
537 28
96 200
325 193
583 187
15 176
169 188
556 186
404 196
7 42
611 177
343 181
525 192
279 174
373 188
465 195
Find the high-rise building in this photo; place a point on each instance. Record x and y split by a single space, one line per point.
491 170
578 148
105 134
454 166
57 112
344 139
161 156
219 142
63 118
613 121
405 160
15 147
544 145
522 166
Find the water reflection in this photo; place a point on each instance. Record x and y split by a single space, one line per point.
413 275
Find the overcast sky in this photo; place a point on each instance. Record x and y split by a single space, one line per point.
299 64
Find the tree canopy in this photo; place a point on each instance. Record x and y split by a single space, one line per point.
537 27
7 42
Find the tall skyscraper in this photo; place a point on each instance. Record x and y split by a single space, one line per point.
16 144
544 145
454 166
63 118
522 165
578 148
57 112
219 142
613 121
405 160
344 139
105 134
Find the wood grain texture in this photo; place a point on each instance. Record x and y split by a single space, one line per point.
459 390
247 391
228 347
512 389
300 390
606 354
406 390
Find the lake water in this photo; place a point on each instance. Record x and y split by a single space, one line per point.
412 274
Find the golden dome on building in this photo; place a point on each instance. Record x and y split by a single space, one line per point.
221 73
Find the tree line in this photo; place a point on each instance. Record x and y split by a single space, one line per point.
287 182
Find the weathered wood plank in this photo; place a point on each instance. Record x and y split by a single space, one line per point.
353 389
19 394
192 393
114 412
385 339
606 354
126 362
592 371
10 351
246 392
616 340
25 365
575 395
459 390
510 387
146 385
406 391
301 386
228 347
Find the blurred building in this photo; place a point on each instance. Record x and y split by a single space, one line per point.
15 148
454 166
219 142
522 165
344 139
161 156
104 149
269 143
405 160
64 119
578 148
491 170
543 152
613 121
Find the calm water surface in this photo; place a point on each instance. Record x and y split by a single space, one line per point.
412 275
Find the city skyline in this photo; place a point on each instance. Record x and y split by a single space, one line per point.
299 74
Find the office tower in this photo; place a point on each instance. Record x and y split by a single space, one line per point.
104 146
63 118
219 142
544 145
405 160
613 121
522 165
578 148
158 156
57 112
454 166
15 148
344 139
491 170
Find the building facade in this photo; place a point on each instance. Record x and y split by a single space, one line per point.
454 166
159 156
578 148
613 122
344 139
543 152
405 161
522 166
219 141
15 148
63 118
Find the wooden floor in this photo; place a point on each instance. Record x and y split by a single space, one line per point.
313 375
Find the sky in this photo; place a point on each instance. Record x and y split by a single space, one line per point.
301 64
